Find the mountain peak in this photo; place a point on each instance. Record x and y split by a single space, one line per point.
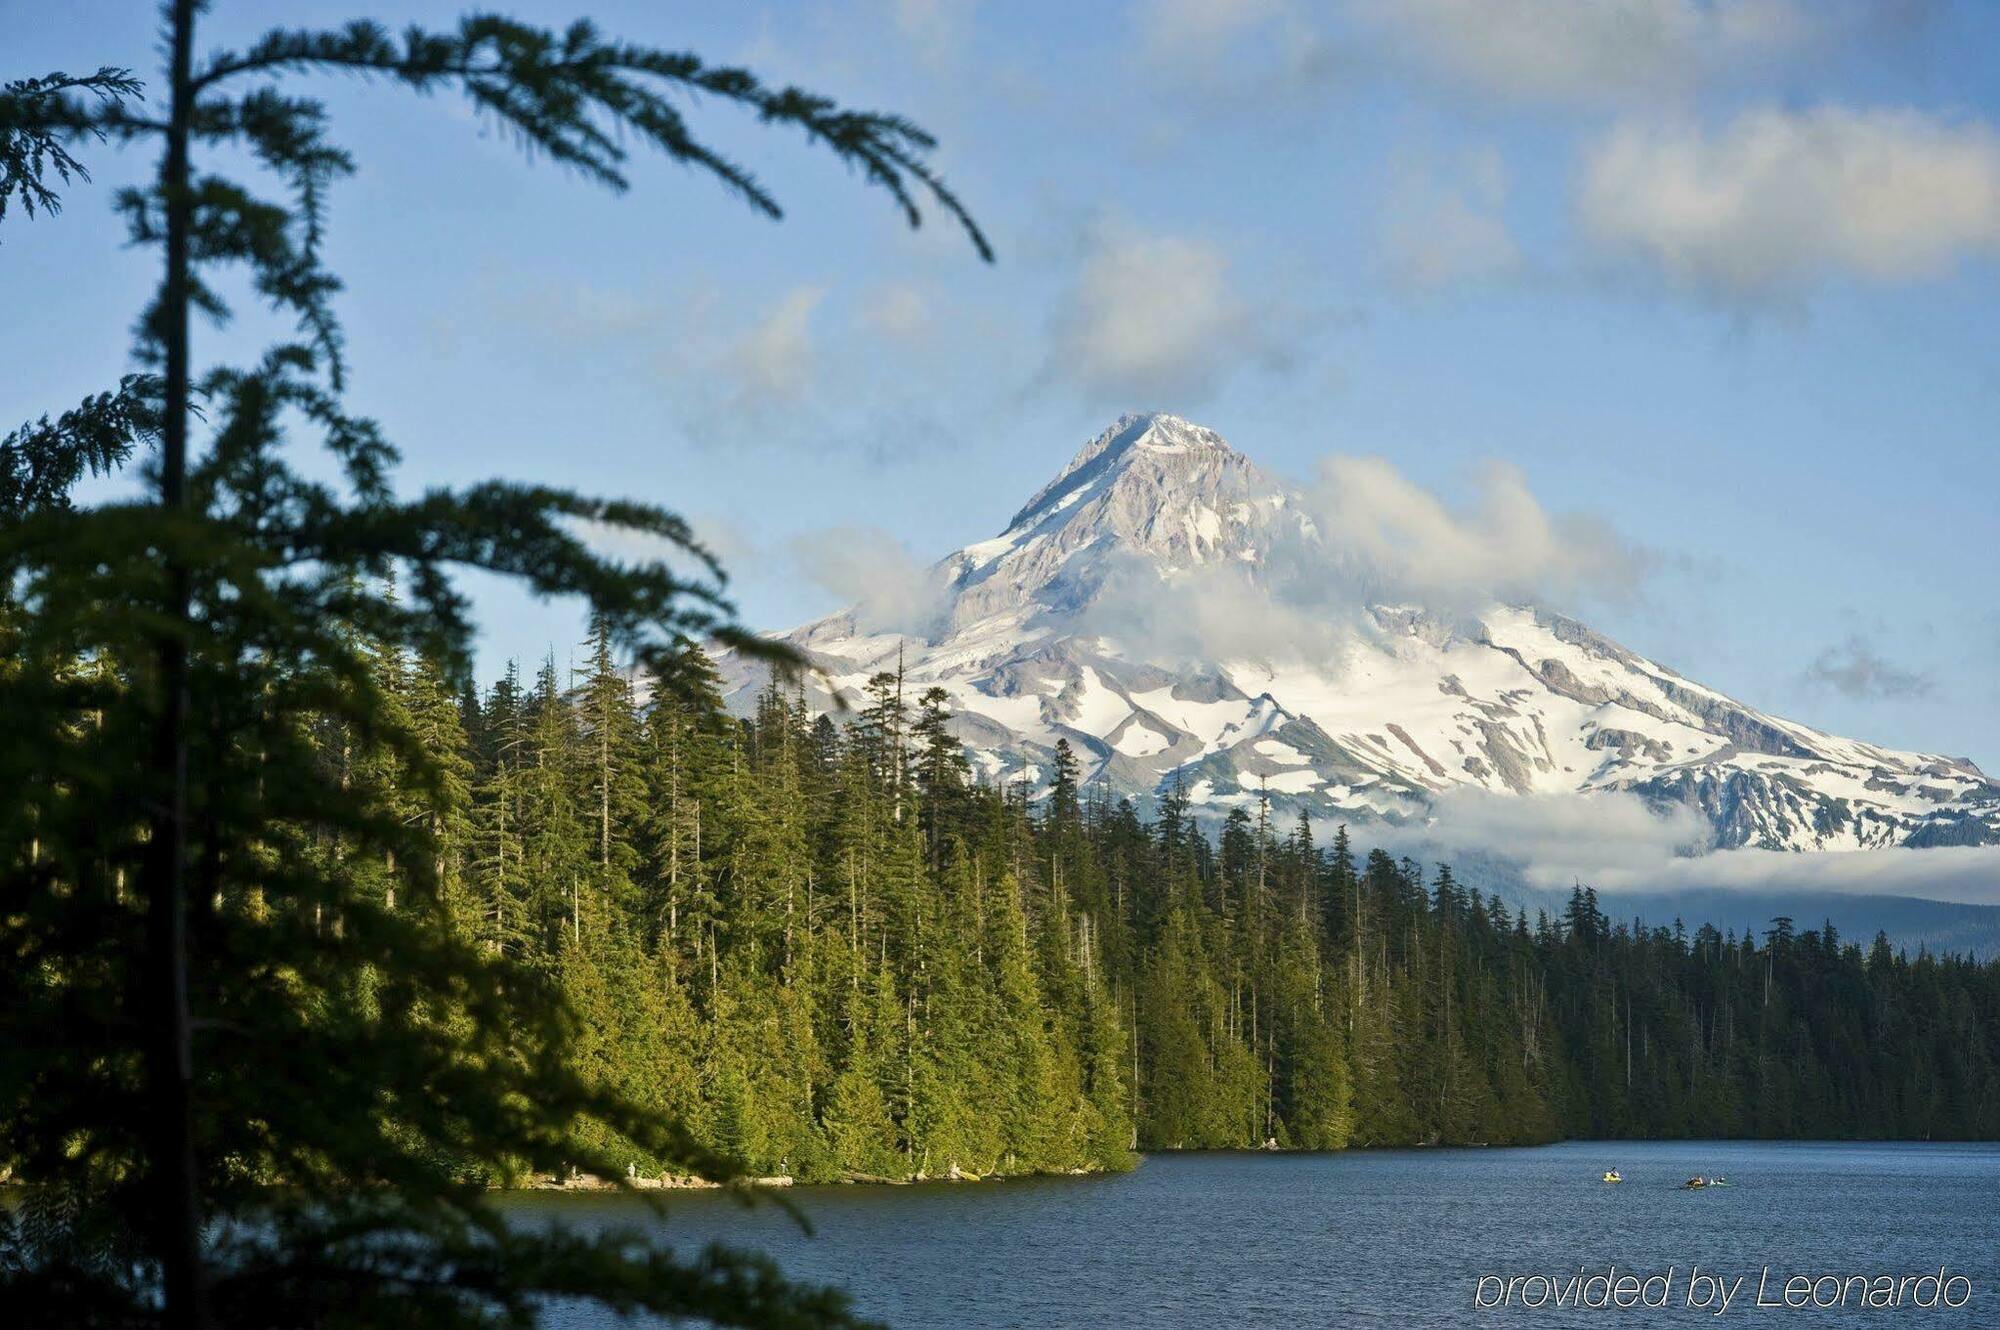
1154 433
1108 615
1153 489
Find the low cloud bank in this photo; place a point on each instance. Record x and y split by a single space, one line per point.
1555 839
1615 842
1969 875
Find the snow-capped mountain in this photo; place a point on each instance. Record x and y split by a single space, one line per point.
1065 625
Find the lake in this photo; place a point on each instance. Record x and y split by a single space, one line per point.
1379 1237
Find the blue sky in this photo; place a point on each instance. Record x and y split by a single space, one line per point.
1720 275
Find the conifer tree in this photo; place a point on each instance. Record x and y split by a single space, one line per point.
236 898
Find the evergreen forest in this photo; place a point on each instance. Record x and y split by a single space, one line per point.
826 947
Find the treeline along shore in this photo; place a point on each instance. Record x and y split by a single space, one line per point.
834 954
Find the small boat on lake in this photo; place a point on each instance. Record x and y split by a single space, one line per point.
1614 1176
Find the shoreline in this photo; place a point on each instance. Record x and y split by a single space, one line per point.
679 1182
589 1183
549 1183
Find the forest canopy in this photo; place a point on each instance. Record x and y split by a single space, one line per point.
852 944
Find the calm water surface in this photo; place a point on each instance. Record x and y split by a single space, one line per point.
1368 1238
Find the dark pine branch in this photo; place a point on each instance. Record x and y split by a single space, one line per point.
42 461
567 95
39 117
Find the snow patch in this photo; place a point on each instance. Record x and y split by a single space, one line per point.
1280 751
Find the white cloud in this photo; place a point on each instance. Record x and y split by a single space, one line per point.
1438 232
1600 838
1152 317
1403 542
1377 538
1296 607
1585 50
1777 200
1964 873
1614 841
866 567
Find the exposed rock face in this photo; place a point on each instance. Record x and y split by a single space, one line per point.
1033 637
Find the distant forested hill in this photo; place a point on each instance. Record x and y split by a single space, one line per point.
1908 921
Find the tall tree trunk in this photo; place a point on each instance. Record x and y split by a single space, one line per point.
169 1052
604 784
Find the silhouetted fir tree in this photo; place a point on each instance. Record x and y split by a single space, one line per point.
266 933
